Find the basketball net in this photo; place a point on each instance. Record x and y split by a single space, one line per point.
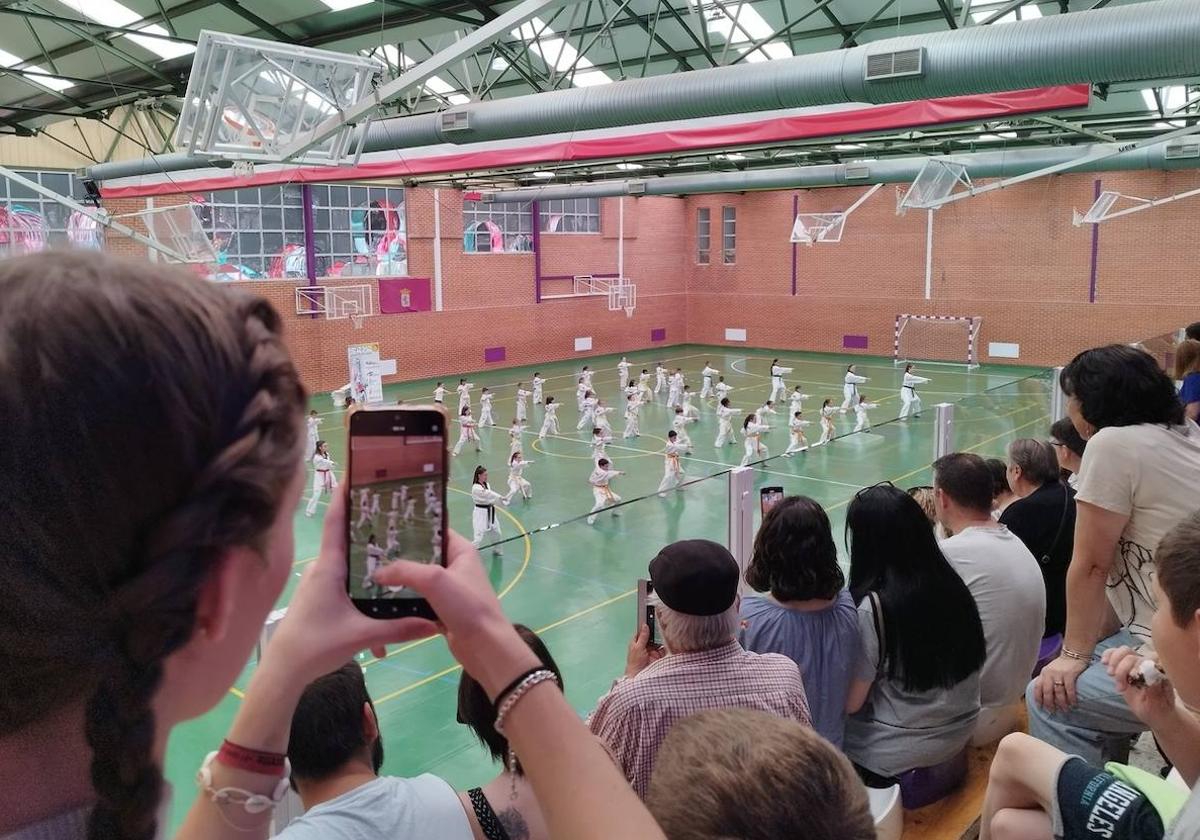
243 168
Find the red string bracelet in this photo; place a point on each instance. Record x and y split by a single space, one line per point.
252 761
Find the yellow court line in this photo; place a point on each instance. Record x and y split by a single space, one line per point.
237 692
446 671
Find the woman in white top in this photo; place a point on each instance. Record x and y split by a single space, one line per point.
633 406
517 483
672 469
522 397
586 376
850 388
660 378
483 515
725 414
549 419
599 444
439 394
623 370
600 417
646 395
752 431
679 424
324 481
706 380
464 394
722 389
690 412
911 401
798 443
467 431
1140 476
860 410
538 384
828 409
485 408
796 400
514 437
778 389
587 417
602 493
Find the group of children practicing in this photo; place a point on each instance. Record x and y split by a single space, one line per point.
680 399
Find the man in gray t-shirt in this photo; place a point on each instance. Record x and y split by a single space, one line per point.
335 751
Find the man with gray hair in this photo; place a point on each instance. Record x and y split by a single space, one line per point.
703 666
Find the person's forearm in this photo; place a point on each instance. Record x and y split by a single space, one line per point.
1087 604
263 722
1179 737
581 792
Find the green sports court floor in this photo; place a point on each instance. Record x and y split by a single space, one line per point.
575 583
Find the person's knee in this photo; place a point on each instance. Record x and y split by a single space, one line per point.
1009 763
1011 824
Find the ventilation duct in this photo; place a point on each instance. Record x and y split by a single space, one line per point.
900 170
1142 41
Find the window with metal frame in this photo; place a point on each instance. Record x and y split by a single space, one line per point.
30 222
359 231
703 235
258 231
569 215
729 234
497 227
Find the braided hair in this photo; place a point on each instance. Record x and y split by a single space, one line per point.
154 422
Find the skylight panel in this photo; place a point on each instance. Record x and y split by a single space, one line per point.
1028 12
112 13
7 59
558 55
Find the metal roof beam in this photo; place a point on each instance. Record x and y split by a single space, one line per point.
29 14
785 29
249 16
704 47
1003 10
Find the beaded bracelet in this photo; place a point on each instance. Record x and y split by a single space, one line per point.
514 695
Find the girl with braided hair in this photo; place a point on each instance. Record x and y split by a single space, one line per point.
187 421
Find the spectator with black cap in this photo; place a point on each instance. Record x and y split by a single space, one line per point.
703 666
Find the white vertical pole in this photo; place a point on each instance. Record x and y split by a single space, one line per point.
943 430
151 254
1058 400
621 236
929 256
741 518
437 251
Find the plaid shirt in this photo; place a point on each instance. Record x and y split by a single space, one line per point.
635 716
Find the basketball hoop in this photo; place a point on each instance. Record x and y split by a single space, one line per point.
243 168
357 320
628 311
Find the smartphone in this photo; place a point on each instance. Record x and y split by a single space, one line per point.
645 611
768 497
397 503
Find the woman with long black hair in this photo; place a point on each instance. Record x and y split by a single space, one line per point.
915 694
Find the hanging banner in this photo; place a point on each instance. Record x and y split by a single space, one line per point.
404 294
366 383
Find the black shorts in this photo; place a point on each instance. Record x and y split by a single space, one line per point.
1095 805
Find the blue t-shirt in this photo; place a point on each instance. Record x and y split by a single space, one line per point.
1190 391
824 644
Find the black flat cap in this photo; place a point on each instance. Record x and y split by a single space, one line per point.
695 577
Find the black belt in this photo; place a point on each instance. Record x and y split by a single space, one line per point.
491 509
911 388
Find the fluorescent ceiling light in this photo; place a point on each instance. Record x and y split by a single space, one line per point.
342 5
730 156
543 175
112 13
849 147
559 55
1029 12
629 166
499 63
7 59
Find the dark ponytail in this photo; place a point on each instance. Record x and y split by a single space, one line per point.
187 423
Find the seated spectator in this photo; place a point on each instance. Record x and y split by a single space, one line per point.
696 582
1036 792
915 696
1002 494
507 802
1187 374
1068 449
336 750
1002 575
1042 517
188 429
739 773
1139 477
809 616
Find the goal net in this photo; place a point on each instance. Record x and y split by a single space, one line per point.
937 339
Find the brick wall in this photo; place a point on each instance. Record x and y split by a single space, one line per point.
1011 256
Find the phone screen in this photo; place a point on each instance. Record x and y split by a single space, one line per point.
768 497
397 503
646 611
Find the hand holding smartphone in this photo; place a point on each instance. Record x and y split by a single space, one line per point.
646 612
397 504
768 497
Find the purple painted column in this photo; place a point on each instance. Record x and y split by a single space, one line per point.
1095 250
795 210
537 252
310 248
